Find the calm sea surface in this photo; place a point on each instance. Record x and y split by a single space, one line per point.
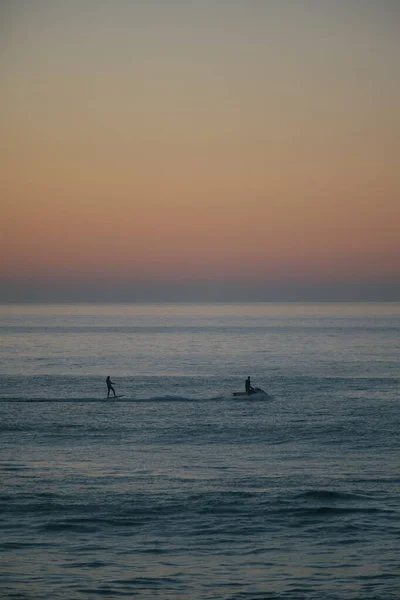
180 491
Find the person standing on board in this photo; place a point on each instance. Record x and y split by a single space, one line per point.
110 386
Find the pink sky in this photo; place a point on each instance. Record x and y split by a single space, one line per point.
238 142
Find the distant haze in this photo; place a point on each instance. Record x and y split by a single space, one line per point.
199 150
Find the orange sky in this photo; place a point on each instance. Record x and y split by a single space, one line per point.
246 142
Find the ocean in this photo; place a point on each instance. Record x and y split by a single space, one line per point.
181 491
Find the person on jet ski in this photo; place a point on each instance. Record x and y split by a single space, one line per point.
249 389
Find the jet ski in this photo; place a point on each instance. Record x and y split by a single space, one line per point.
253 391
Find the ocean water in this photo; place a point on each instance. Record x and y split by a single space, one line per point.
181 491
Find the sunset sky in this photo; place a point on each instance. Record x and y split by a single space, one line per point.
200 150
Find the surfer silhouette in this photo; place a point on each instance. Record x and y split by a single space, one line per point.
110 386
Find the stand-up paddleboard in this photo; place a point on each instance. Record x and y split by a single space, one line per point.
120 396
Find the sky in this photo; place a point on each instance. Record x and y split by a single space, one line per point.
199 150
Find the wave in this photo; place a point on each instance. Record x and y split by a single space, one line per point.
329 495
127 398
85 399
